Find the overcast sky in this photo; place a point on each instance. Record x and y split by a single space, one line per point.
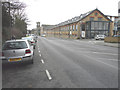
56 11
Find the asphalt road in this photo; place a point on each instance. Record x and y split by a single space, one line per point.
60 63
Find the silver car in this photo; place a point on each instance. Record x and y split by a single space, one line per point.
99 37
31 39
17 51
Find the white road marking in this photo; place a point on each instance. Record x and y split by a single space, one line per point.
42 61
39 51
40 55
107 64
48 75
108 59
104 53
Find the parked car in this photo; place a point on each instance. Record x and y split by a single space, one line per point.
99 37
43 35
116 36
34 37
31 39
17 51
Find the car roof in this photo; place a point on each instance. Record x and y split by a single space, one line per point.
16 40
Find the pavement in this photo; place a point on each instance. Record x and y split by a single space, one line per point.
60 63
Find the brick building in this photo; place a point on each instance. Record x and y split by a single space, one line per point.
84 26
46 28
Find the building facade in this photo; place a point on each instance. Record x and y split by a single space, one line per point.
45 29
118 23
86 25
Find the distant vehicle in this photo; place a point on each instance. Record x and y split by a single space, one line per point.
43 35
99 37
31 39
17 51
34 37
116 36
31 35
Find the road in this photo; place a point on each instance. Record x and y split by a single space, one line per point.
60 63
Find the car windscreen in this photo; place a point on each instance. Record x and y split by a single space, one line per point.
15 45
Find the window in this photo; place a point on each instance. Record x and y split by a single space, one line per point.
15 45
76 27
83 27
73 27
118 10
91 18
68 27
92 25
100 19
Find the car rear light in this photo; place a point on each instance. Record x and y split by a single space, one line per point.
32 42
27 51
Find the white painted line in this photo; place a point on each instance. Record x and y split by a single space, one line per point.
104 53
40 55
108 59
48 75
107 64
42 61
39 51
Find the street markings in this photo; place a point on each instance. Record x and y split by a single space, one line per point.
108 59
39 51
40 55
107 64
48 75
42 61
104 53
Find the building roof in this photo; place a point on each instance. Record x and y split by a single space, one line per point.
79 18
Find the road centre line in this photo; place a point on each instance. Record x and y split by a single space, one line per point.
48 75
42 61
39 51
104 53
40 55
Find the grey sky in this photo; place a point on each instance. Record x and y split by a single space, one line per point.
56 11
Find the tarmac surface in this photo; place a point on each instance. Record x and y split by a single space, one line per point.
60 63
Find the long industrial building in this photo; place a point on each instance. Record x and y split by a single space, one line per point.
86 25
